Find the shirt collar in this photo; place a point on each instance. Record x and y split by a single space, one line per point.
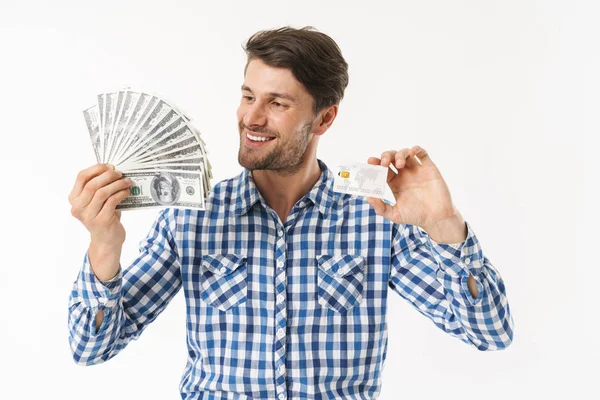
321 194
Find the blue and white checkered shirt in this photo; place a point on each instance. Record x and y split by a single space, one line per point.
287 310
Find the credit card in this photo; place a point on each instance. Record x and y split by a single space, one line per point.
361 179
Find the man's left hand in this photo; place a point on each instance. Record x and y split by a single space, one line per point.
422 196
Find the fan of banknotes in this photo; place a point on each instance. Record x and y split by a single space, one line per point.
154 144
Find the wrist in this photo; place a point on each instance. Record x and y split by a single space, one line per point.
451 230
103 245
104 259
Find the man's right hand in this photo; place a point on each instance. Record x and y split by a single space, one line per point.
94 198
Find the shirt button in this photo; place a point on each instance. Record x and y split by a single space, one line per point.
281 396
280 333
282 369
222 270
280 298
279 231
280 264
467 261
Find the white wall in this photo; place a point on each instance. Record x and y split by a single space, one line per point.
503 95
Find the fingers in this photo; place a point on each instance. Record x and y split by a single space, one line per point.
85 176
374 161
387 157
402 158
96 183
422 155
109 208
399 159
380 207
97 189
103 197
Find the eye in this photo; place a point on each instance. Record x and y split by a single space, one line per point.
278 105
247 98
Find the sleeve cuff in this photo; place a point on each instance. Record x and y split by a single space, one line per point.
112 283
460 258
96 293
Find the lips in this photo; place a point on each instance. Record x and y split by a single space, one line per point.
258 138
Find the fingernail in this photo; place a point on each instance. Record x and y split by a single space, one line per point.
111 166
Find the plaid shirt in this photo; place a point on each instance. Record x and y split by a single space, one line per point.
293 309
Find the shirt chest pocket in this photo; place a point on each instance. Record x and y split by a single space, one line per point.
223 280
340 281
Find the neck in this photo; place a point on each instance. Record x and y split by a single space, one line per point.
282 190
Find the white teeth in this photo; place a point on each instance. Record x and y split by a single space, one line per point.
257 138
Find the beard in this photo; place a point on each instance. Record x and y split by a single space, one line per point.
287 156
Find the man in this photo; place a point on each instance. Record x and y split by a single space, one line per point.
285 280
166 189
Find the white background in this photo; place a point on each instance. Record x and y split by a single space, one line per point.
503 95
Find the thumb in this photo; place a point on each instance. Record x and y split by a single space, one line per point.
379 206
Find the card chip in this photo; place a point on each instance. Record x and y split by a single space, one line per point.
344 174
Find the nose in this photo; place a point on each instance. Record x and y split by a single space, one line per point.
255 115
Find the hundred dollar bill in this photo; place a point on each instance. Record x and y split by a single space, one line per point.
150 120
93 125
197 167
361 179
207 165
125 119
113 101
171 129
144 106
169 102
193 159
184 160
179 110
107 121
175 167
101 111
164 189
186 148
119 96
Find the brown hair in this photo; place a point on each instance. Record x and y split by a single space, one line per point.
314 59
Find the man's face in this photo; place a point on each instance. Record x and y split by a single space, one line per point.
275 119
164 192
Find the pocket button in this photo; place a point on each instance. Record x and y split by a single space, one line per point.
343 270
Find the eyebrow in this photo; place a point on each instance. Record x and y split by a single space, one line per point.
273 94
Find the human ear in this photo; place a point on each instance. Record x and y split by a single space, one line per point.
325 118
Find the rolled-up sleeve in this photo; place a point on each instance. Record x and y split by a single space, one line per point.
130 301
433 278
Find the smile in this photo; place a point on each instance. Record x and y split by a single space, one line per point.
259 138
